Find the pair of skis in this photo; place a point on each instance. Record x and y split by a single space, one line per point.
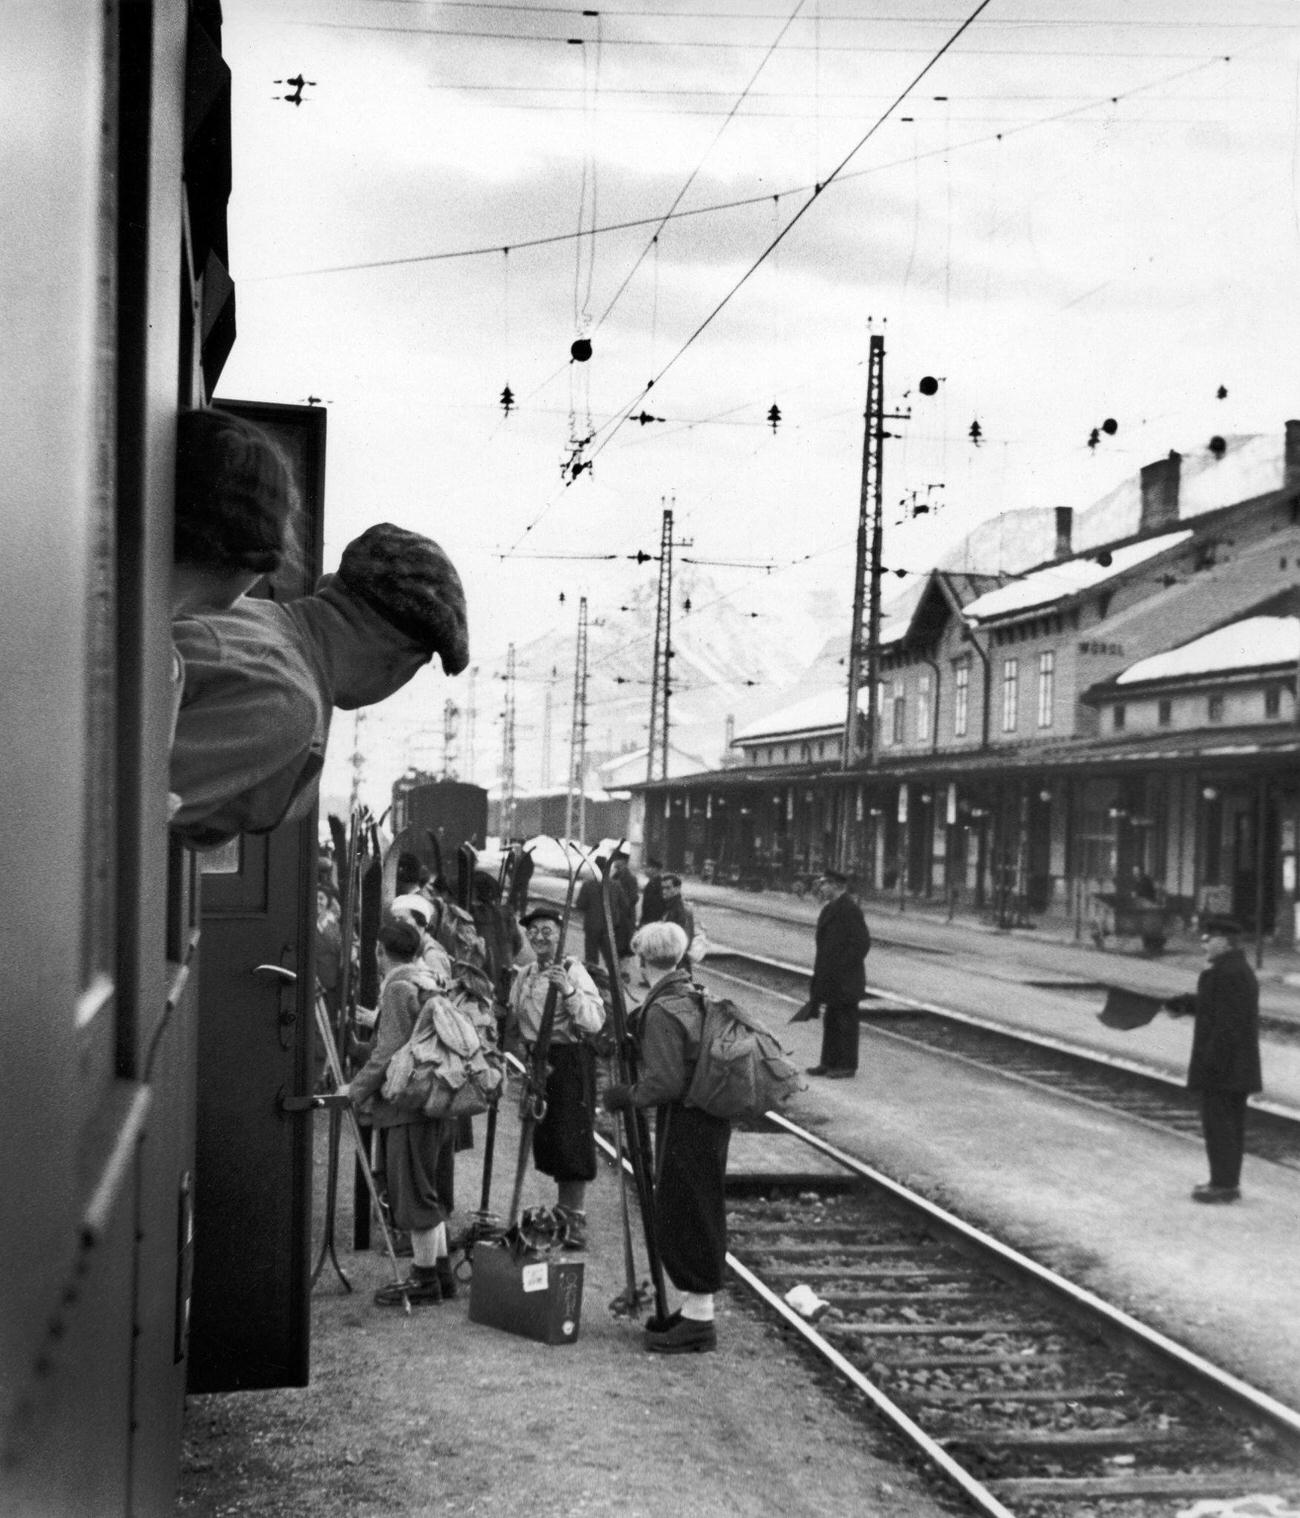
632 1131
532 1106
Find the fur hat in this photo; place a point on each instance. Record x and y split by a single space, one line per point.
411 583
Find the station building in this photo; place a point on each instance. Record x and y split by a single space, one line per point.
1125 711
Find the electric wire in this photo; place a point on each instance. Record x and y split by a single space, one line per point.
691 177
1093 103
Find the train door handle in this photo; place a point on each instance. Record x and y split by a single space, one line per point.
288 981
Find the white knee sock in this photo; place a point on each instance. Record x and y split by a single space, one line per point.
698 1306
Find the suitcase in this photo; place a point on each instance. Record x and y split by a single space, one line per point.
538 1296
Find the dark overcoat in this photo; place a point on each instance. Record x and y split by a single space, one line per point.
843 942
1225 1042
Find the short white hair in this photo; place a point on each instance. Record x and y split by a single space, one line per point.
661 944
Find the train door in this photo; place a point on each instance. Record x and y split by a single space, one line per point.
252 1173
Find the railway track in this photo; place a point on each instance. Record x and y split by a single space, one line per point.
1032 1396
1091 1077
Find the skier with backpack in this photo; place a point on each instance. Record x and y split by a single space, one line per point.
690 1211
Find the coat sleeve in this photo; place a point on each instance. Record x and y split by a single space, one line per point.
664 1050
398 1009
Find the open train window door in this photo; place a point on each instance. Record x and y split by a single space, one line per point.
252 1178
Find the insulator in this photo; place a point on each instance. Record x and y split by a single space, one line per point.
507 400
1217 446
1110 426
774 416
929 385
580 350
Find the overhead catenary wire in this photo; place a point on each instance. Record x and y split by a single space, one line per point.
1093 103
691 177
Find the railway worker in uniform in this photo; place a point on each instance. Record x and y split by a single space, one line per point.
411 1143
1225 1066
839 976
690 1211
564 1142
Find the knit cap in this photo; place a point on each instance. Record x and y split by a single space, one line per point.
414 586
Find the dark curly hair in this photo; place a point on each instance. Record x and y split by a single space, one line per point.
234 494
401 939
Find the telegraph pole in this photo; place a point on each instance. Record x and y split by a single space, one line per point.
578 737
547 697
358 761
661 685
508 749
864 640
450 726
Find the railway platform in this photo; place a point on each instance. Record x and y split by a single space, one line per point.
1051 949
1103 1201
407 1417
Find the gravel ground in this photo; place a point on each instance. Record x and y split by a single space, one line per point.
436 1414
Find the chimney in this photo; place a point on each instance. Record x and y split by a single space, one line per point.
1160 492
1064 531
1291 457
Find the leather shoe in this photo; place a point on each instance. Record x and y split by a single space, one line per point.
685 1337
840 1075
1213 1194
817 1070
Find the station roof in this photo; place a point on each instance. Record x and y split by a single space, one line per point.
1251 643
1071 577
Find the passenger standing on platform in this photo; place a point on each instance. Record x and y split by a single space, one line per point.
564 1142
417 909
675 910
652 894
690 1209
1225 1066
839 976
411 1143
519 882
590 906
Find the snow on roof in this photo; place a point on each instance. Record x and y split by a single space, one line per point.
1254 643
1056 582
814 714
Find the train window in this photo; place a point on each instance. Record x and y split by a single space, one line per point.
225 860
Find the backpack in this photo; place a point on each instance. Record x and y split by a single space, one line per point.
449 1067
742 1071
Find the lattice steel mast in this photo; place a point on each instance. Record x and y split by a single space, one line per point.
578 737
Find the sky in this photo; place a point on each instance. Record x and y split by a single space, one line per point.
1061 213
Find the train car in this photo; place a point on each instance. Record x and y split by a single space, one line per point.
452 811
151 1241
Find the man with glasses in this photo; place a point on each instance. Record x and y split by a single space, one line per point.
1225 1067
564 1142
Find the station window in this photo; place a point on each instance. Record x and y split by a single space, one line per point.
1272 700
1165 712
1010 694
1119 717
1214 709
900 719
923 712
1046 687
961 699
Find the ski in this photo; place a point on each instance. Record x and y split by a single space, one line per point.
636 1128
